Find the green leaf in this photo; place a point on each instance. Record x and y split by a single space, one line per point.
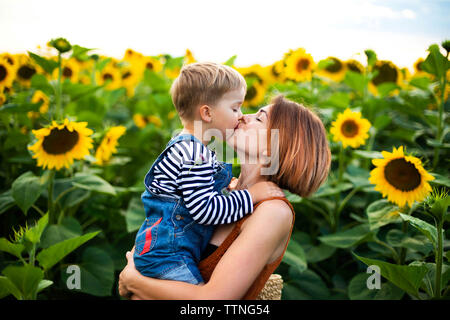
371 57
40 82
44 284
382 212
78 90
440 180
421 83
12 248
7 287
49 257
26 189
25 278
435 63
292 197
93 183
319 253
69 228
34 234
134 215
308 285
230 62
407 278
6 201
80 53
427 229
97 272
327 190
46 64
348 238
355 81
295 256
397 238
357 288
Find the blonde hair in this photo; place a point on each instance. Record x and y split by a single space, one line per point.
203 83
304 154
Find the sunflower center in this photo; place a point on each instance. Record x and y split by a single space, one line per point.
26 72
251 93
302 64
402 175
126 75
149 65
60 141
274 71
349 128
353 67
3 73
107 76
67 72
386 73
335 66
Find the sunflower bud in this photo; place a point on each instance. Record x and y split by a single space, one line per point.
446 45
437 204
61 44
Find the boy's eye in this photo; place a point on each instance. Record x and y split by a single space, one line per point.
259 119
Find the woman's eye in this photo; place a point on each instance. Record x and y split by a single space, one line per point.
259 119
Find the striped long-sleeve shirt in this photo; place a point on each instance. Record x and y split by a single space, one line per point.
187 170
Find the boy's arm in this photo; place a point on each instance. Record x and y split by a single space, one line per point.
206 206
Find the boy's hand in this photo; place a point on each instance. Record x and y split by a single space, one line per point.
264 190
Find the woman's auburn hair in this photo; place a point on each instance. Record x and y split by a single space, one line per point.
304 154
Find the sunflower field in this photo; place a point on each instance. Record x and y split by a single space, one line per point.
79 131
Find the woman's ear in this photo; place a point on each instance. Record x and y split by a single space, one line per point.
205 113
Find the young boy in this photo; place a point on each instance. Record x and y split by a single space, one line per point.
183 199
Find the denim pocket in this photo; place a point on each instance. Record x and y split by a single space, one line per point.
146 237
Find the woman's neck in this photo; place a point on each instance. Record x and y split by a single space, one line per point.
250 174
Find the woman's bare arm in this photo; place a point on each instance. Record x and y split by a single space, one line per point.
263 232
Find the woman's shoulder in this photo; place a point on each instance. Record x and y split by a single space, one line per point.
274 212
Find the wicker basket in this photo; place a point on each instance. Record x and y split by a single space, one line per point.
272 288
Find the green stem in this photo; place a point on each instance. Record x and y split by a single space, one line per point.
394 253
439 261
407 210
440 128
341 164
38 210
59 90
50 205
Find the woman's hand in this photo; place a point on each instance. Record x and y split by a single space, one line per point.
128 274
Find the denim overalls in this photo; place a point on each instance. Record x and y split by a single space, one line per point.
169 243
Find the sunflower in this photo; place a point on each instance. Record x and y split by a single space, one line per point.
25 70
6 74
387 73
139 120
11 59
355 66
131 55
418 71
130 78
275 72
2 97
254 73
155 120
401 178
299 65
189 57
110 77
255 95
37 97
108 145
350 129
59 144
335 69
152 64
70 70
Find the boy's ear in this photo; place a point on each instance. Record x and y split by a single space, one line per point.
205 113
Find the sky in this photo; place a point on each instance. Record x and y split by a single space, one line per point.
257 31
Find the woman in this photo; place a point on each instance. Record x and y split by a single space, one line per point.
247 252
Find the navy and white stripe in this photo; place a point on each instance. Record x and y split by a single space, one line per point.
187 171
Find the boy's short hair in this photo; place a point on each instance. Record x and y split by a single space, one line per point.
203 83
